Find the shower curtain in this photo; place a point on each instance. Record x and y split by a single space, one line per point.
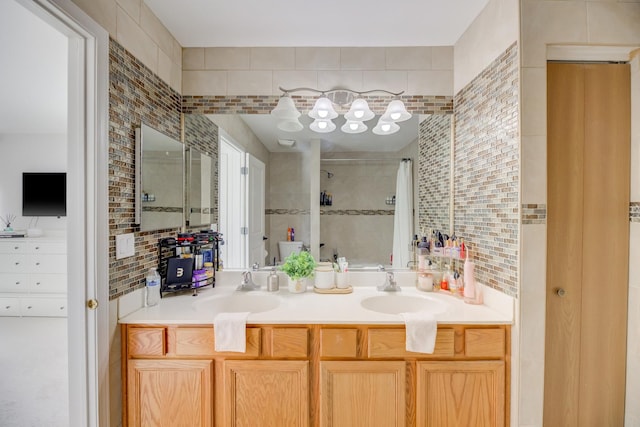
403 218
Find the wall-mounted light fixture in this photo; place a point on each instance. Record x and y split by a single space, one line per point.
323 112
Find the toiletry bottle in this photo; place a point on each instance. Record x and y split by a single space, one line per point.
471 291
293 234
444 283
289 234
273 281
152 290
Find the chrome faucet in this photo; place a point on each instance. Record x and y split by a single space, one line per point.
247 283
380 267
390 284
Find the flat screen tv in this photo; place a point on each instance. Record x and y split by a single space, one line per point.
44 194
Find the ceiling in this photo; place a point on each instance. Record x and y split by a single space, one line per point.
33 86
242 23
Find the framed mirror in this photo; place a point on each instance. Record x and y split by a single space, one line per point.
159 189
201 196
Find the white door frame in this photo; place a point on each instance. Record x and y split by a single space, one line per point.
87 209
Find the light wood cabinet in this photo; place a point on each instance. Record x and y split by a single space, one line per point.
265 393
458 394
316 375
362 394
169 393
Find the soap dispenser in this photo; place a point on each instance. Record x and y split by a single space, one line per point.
273 283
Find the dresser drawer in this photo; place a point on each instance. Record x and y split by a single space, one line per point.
201 342
12 247
9 306
341 343
47 247
13 263
47 263
13 282
47 283
43 307
290 342
391 343
484 343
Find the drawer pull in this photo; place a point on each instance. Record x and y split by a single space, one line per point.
37 248
8 307
16 247
17 283
17 262
37 283
29 307
37 263
62 307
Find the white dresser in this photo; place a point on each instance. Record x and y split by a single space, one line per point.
33 277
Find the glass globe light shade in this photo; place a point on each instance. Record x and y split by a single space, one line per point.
359 111
353 127
322 126
385 128
286 109
323 109
396 112
292 125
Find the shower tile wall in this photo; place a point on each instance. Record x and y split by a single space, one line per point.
358 225
486 164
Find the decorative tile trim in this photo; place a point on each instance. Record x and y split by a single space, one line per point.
165 209
286 211
634 211
351 212
263 104
533 213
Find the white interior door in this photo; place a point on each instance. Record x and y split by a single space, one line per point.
232 200
255 210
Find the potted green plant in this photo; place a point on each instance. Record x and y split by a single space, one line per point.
298 267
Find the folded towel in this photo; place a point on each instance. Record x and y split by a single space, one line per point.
230 331
421 332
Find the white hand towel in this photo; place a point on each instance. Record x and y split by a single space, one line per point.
230 331
421 332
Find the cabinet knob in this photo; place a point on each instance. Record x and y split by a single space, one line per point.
29 307
92 304
37 248
16 247
560 292
8 307
37 283
37 263
62 307
17 283
17 262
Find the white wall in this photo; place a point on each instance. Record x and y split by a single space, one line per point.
29 153
491 33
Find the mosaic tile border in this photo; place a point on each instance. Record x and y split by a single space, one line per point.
533 213
351 212
263 104
166 209
634 212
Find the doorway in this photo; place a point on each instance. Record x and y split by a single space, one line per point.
588 175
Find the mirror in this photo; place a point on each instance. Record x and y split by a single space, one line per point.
159 190
200 189
355 226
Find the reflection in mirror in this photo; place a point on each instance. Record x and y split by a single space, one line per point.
200 189
159 180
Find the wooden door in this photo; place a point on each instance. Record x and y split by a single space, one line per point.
170 393
362 394
460 394
266 393
255 210
588 175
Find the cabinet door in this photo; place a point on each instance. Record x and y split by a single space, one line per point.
170 393
362 394
459 394
266 393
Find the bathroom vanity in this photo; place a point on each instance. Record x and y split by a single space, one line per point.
315 360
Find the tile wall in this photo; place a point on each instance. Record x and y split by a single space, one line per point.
136 95
434 164
137 29
222 71
487 171
201 133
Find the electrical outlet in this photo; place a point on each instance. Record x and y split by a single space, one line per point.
125 245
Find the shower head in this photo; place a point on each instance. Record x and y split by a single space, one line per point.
329 174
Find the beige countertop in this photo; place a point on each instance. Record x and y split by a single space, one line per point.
283 307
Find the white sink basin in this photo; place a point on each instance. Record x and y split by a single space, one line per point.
393 303
238 303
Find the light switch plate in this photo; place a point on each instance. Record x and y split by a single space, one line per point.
125 245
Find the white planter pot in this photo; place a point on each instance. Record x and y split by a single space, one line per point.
297 286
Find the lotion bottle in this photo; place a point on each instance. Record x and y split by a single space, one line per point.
471 291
